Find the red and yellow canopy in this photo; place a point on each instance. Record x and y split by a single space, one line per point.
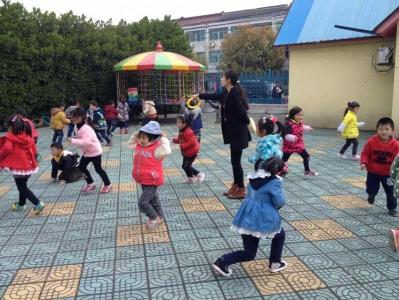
158 60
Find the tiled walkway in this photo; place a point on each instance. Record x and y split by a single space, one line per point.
94 247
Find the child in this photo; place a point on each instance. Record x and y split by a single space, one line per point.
111 117
394 233
100 125
150 148
58 122
17 155
150 112
68 113
218 111
189 147
66 162
258 217
270 139
377 157
91 147
349 130
123 115
293 142
193 113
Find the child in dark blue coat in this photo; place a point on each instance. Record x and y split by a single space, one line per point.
258 217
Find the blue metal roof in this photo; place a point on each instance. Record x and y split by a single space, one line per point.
313 21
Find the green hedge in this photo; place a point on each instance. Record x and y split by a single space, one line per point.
45 59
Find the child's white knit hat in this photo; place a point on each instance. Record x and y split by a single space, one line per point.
152 128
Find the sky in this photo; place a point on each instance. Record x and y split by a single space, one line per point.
133 10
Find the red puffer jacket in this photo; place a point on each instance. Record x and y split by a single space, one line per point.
110 112
17 154
147 169
189 145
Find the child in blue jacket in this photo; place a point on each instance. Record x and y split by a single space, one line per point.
98 122
271 132
258 217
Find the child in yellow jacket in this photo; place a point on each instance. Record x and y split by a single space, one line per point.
350 130
57 122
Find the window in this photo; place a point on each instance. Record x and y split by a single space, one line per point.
201 56
217 33
233 29
215 56
196 36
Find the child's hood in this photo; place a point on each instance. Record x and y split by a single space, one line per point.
23 140
55 111
258 183
150 103
273 139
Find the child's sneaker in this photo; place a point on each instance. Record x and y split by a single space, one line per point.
190 180
394 239
17 207
310 174
393 213
38 208
355 157
106 189
88 188
200 177
153 224
341 156
221 268
278 266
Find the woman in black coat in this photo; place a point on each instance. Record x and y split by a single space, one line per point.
234 127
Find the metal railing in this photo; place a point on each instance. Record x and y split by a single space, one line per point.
268 88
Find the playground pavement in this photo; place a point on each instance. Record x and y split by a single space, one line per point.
94 247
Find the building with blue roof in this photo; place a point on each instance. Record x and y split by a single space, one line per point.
342 50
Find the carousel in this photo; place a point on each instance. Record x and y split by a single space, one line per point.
159 76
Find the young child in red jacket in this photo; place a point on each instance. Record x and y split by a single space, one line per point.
150 148
377 157
18 155
189 147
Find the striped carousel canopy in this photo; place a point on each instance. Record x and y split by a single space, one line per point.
158 60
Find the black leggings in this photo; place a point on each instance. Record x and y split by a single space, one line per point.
304 154
96 160
187 166
24 191
348 143
238 173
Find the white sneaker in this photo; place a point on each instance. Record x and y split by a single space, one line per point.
200 178
355 157
190 180
341 156
278 266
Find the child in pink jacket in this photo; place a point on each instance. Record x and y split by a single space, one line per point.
86 139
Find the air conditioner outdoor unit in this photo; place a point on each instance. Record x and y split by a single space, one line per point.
385 56
212 44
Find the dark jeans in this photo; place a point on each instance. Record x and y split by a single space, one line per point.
111 126
84 161
102 135
373 186
348 143
71 127
187 166
304 154
58 136
24 191
123 124
251 244
238 173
